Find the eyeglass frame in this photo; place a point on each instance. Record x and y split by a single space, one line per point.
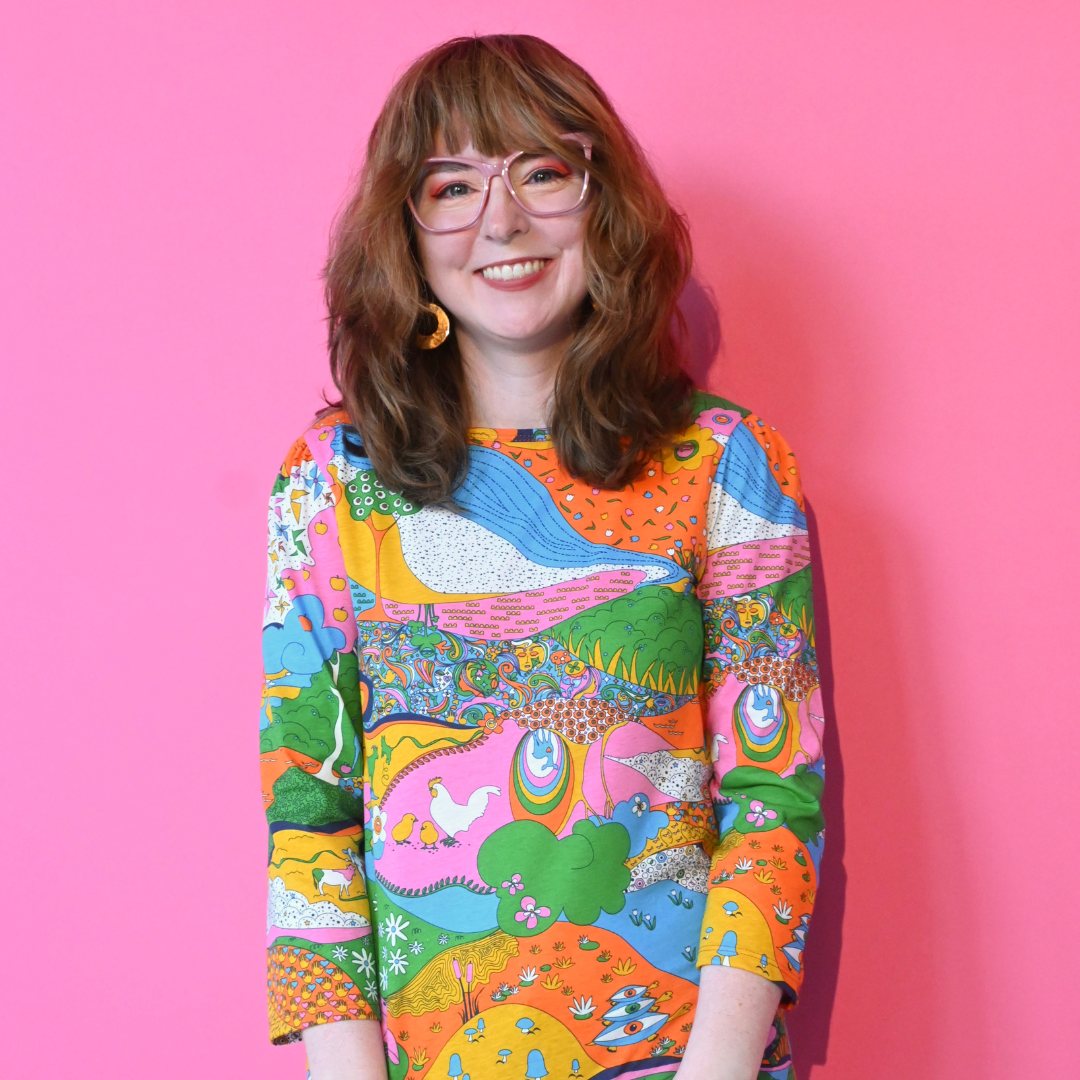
489 172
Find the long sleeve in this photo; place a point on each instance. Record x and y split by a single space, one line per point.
321 960
764 714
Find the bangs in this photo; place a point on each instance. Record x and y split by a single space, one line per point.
475 93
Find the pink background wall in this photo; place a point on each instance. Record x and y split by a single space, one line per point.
884 199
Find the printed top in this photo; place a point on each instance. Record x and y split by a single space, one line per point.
530 764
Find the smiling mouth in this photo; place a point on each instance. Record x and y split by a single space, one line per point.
514 271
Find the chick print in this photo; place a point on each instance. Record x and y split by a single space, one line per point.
403 829
429 835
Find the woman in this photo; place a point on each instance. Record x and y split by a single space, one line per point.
541 733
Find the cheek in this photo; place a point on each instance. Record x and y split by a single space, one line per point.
569 237
572 276
575 266
442 255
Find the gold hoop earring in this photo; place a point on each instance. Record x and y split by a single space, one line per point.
442 330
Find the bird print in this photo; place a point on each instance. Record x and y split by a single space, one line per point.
403 829
453 817
537 659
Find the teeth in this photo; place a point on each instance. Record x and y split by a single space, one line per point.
512 271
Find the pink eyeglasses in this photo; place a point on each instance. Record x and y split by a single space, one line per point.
452 191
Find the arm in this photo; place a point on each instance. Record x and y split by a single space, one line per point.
764 731
735 1011
322 964
350 1050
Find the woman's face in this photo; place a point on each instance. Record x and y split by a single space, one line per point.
464 269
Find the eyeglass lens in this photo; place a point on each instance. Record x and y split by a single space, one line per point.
448 195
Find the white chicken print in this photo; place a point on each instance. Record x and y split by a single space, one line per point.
452 817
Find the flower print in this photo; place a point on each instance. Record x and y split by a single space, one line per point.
638 806
575 667
383 978
340 952
370 990
416 948
529 912
444 939
514 884
696 444
377 825
582 1008
365 962
397 962
394 927
783 912
743 865
528 976
758 814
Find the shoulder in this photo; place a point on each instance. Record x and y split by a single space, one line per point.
327 428
748 446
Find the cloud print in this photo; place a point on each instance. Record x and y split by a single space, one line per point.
301 644
639 821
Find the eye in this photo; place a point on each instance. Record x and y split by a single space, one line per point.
454 190
546 175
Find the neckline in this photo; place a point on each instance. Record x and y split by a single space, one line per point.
493 436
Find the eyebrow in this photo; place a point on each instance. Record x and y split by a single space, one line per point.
448 166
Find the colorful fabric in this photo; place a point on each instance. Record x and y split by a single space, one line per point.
530 764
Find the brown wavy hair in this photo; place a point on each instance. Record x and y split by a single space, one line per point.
620 393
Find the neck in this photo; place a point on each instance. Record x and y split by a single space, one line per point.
510 386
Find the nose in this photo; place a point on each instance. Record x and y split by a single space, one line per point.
503 219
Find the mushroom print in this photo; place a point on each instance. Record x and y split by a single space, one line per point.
531 762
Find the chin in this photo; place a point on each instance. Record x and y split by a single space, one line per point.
519 329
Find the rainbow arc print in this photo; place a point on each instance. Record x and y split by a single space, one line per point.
531 763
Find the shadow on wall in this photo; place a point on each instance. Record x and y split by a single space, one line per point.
811 1022
702 324
804 344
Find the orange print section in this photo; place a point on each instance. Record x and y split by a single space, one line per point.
683 729
331 420
653 514
781 458
274 763
568 965
298 453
